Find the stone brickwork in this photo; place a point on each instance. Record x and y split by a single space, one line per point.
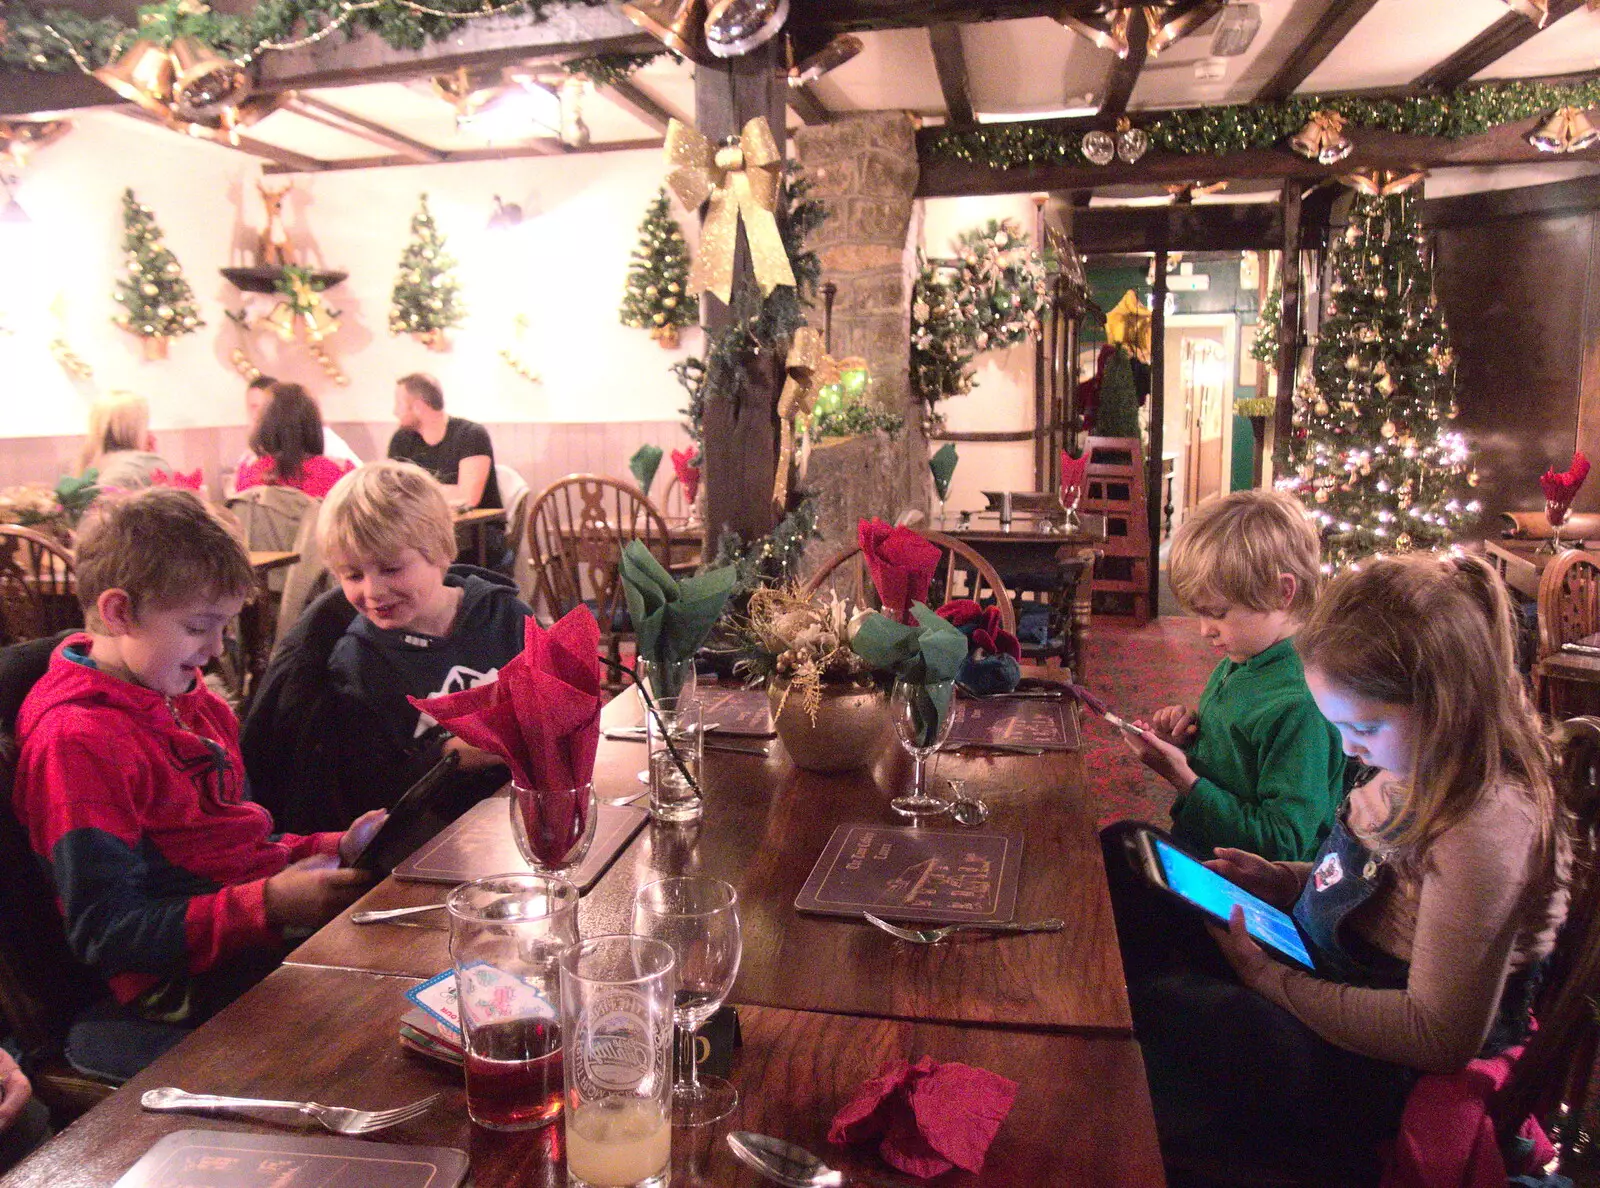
865 168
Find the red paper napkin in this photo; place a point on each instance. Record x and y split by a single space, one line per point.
542 715
987 628
1561 489
1072 474
192 481
686 465
901 564
927 1117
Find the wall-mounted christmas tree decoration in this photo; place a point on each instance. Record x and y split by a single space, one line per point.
427 297
656 298
1373 454
157 303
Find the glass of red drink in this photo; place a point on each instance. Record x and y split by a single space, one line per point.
507 934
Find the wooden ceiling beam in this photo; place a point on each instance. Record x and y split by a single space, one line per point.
311 108
626 95
283 160
1125 71
1243 226
943 178
950 64
857 16
805 103
1488 47
1332 27
541 148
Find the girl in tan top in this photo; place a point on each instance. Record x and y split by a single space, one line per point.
1429 907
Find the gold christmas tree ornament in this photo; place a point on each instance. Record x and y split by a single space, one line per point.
1322 139
1381 183
143 75
809 369
740 180
1567 130
1128 325
680 25
203 82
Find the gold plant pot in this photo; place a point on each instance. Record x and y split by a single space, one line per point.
850 731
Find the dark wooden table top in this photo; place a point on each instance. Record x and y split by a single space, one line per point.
985 528
1081 1115
765 823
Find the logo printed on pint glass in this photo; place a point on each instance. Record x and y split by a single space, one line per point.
616 1044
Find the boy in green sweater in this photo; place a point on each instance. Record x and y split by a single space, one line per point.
1257 767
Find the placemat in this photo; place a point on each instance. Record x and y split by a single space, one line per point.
479 843
229 1159
924 875
736 711
1015 721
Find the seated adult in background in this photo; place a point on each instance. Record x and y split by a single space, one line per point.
288 442
119 444
454 450
256 396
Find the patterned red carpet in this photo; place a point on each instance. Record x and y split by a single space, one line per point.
1136 670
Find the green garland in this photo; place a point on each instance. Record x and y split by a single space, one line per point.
55 40
1240 127
607 70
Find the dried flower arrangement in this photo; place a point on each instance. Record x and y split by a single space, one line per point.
802 640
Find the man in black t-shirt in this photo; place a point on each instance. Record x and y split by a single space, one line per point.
454 450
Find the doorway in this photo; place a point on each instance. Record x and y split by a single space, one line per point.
1199 390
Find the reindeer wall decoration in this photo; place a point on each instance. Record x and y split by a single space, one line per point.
273 248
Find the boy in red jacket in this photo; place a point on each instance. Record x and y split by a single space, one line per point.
173 886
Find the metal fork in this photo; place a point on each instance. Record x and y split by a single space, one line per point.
339 1119
932 936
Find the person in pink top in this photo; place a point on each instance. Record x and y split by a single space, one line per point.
288 444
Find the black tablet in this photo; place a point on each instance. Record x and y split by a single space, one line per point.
410 822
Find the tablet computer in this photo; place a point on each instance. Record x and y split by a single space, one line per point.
1185 876
410 823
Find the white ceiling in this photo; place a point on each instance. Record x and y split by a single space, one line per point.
1024 67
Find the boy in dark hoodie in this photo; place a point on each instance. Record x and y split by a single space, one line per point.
423 628
172 884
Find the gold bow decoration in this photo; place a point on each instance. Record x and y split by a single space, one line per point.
740 179
810 369
303 313
1382 183
1128 326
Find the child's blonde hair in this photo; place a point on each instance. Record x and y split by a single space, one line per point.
1436 633
118 421
383 507
1233 551
161 546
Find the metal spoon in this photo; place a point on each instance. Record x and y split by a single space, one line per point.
964 809
392 913
792 1166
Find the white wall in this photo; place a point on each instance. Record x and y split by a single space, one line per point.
564 268
1002 395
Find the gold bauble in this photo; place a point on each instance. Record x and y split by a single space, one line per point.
729 157
1388 429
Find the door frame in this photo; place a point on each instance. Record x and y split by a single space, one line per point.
1228 323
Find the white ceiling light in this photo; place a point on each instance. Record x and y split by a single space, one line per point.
1087 107
1237 26
522 109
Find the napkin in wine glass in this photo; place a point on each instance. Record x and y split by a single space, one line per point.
671 618
901 564
542 714
1073 471
644 463
686 464
927 1117
943 467
1560 489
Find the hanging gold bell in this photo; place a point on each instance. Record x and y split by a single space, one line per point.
1568 130
735 27
143 74
281 321
1323 139
1169 22
1108 30
680 25
830 57
204 83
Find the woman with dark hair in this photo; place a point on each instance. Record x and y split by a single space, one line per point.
288 444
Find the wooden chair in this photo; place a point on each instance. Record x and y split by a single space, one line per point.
514 495
1114 486
38 591
961 573
576 532
1569 611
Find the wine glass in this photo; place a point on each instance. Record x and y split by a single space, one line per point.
922 716
553 829
699 918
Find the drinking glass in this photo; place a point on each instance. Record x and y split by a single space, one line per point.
616 1013
649 678
507 934
553 829
675 745
699 918
922 716
1556 513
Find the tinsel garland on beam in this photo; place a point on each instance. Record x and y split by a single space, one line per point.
1240 127
56 40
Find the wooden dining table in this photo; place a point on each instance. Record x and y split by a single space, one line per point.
474 522
823 1002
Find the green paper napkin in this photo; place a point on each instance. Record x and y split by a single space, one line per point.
943 465
671 618
644 463
927 654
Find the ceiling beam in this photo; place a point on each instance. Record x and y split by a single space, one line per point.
30 92
1488 47
942 177
1223 227
626 95
1332 27
950 63
539 148
1125 71
284 160
855 16
311 108
805 103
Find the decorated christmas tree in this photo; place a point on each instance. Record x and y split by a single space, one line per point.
427 297
1373 453
1116 414
655 299
157 303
